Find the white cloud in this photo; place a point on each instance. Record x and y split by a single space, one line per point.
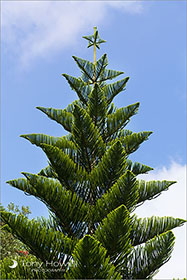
127 6
170 203
39 28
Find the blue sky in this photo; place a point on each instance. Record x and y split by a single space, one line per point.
145 39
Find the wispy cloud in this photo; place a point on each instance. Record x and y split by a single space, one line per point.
170 203
35 29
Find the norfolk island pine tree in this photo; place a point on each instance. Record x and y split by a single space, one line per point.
91 188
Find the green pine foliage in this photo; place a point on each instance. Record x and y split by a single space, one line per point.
10 245
91 187
12 249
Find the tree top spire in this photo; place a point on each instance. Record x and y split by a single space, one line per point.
94 40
